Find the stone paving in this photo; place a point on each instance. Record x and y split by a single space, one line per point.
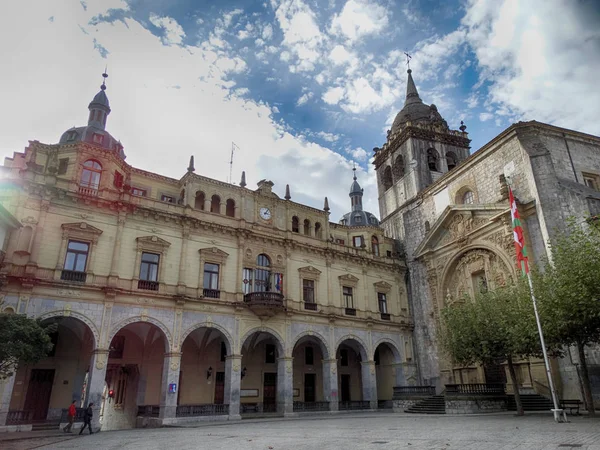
378 431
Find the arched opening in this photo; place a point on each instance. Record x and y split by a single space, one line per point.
398 170
295 225
199 200
134 374
468 198
90 176
318 230
350 355
260 374
451 160
262 274
307 227
215 204
375 245
42 390
202 377
230 208
310 375
433 159
386 178
388 373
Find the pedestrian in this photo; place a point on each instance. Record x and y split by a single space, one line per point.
71 417
87 419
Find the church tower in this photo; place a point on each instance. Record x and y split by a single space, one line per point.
419 149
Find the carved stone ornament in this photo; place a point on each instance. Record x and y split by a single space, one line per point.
68 293
101 359
174 363
348 279
382 286
309 272
81 230
213 254
152 243
249 253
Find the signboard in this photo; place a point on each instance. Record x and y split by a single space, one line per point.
173 387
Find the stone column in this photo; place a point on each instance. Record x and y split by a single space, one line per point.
170 375
206 203
285 392
6 389
185 234
233 380
96 383
369 383
39 230
330 384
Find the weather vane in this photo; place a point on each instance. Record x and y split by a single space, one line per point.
354 169
104 76
408 57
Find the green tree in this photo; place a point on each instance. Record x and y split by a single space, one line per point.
496 325
22 340
569 294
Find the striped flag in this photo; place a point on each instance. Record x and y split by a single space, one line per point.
522 260
279 282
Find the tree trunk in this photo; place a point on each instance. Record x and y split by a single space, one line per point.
585 381
515 383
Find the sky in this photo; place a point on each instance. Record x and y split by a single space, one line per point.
304 88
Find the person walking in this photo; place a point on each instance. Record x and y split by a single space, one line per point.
71 416
87 419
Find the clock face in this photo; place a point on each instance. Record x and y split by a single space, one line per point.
265 213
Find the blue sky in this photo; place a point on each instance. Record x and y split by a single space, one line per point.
305 88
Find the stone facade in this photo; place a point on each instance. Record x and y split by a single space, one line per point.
475 405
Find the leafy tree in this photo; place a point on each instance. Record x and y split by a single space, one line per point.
496 325
569 294
22 340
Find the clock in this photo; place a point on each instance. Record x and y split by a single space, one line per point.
265 213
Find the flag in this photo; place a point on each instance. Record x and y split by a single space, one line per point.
279 282
522 260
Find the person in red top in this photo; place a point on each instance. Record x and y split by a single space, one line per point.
71 414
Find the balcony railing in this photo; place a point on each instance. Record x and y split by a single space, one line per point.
350 312
19 417
310 306
211 293
202 410
148 285
475 389
73 276
354 405
265 304
385 316
90 192
311 406
407 391
148 411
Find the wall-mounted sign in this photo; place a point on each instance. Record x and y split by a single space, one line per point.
173 387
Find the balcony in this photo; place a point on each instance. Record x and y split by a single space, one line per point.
265 304
350 311
211 293
88 191
73 276
148 285
385 316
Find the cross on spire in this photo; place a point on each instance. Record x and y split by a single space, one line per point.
354 171
408 58
104 76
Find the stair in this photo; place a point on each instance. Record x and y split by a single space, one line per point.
45 425
531 402
432 405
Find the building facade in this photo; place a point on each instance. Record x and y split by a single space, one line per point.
181 298
451 213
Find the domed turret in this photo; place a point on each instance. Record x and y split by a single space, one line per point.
357 217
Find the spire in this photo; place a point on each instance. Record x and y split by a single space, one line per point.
287 192
243 180
99 106
356 193
326 205
412 95
191 168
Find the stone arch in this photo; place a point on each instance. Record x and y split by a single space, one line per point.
199 200
215 204
398 169
362 346
318 337
392 345
228 338
460 194
75 315
433 159
386 178
279 342
122 324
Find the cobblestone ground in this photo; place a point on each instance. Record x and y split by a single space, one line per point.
366 431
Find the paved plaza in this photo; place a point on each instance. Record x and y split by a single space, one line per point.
365 431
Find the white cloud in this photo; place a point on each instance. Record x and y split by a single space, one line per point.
358 154
267 32
333 95
304 98
485 116
173 33
329 137
359 18
339 55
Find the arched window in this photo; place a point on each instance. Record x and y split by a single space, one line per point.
398 170
90 177
386 178
375 245
427 226
199 201
432 159
230 208
307 227
318 230
451 160
262 274
295 225
215 204
468 198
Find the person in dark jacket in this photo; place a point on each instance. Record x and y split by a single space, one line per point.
87 419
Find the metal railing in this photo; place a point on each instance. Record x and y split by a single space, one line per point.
73 275
209 409
19 417
350 311
148 285
211 293
385 316
354 405
311 406
148 411
310 306
267 299
403 391
246 408
475 389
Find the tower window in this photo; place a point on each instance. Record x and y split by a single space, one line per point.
398 167
432 159
215 204
199 200
295 225
451 160
468 198
386 178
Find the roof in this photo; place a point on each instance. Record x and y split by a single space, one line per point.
359 219
100 99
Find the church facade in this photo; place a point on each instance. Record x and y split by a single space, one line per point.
450 211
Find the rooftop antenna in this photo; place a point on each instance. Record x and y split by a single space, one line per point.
408 58
233 147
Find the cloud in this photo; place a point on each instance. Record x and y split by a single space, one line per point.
304 98
333 95
484 117
358 154
173 33
359 18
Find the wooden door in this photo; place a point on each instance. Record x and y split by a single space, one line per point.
270 391
345 388
220 388
38 392
310 384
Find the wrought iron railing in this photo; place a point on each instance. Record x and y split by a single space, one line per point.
19 417
354 405
385 316
403 391
211 293
267 299
475 389
350 312
310 306
202 410
73 275
148 285
311 406
148 410
246 408
79 415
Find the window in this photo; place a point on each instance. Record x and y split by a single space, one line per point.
72 135
358 218
348 297
149 267
139 192
269 354
215 204
309 356
344 357
386 178
340 241
381 298
398 170
262 274
77 255
432 159
318 231
375 245
308 291
199 200
167 198
591 180
247 281
357 241
230 208
451 160
98 138
295 225
468 198
211 276
90 176
307 227
223 351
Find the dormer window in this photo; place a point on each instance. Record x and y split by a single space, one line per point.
72 135
358 219
98 138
